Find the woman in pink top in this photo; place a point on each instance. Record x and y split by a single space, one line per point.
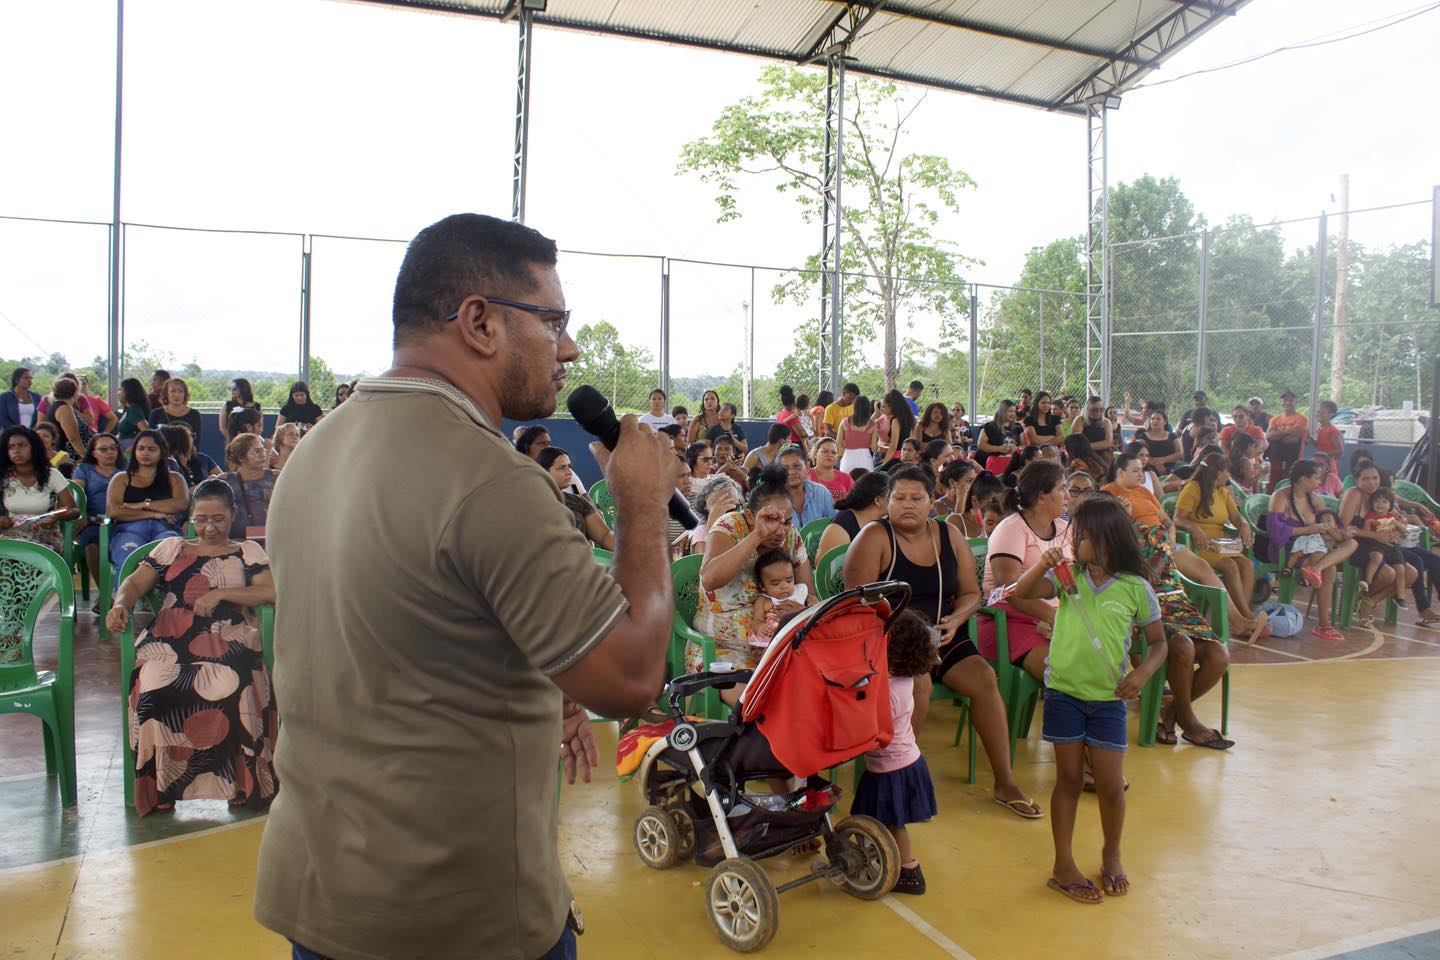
858 437
1018 543
838 482
896 788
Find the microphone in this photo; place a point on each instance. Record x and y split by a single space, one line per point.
596 417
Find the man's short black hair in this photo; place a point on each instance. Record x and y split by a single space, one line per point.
851 388
462 255
917 385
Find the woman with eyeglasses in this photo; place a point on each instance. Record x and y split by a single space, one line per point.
728 574
242 397
103 459
252 484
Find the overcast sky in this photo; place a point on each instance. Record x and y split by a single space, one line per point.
327 117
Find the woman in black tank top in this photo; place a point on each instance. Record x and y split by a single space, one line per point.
946 593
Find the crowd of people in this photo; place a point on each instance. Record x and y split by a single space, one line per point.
1048 492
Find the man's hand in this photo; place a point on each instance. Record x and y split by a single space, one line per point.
643 468
577 743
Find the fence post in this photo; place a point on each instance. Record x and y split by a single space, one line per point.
1042 343
1200 355
115 335
974 348
305 254
665 325
1315 348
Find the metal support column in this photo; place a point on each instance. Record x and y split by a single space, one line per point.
522 115
1042 343
306 246
1317 347
974 351
115 339
665 325
831 278
1097 255
1201 346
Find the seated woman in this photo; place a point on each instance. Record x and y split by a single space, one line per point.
103 459
135 410
300 410
31 487
1242 463
827 473
1083 456
146 501
935 424
698 460
253 484
956 477
1315 537
1042 427
1204 507
177 408
556 463
49 436
728 580
1151 478
728 424
962 435
283 444
908 545
859 438
1204 427
998 438
74 431
727 461
934 456
194 465
985 489
865 503
1331 486
532 439
1157 539
763 456
717 496
1368 479
1160 440
202 716
242 398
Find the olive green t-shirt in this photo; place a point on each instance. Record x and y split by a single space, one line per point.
429 580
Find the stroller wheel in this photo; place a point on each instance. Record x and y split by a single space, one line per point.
658 839
685 826
866 851
743 904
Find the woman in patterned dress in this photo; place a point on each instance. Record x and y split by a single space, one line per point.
202 715
728 584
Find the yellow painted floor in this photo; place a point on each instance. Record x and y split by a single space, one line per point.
1319 832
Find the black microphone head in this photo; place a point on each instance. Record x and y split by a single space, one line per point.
593 412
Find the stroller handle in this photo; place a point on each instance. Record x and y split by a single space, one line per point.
869 594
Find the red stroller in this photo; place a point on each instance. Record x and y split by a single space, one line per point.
818 698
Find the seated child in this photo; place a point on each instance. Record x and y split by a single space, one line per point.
896 788
1309 549
779 596
1381 515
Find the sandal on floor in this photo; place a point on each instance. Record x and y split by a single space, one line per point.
1219 743
1429 619
1111 884
1072 890
1165 736
1017 807
1328 633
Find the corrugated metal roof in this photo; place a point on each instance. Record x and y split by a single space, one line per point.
1053 54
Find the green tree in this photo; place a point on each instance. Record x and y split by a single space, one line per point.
893 260
624 374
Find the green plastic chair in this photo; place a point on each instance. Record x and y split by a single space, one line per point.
600 496
1280 486
939 691
1212 602
1417 493
603 557
1167 503
830 572
152 600
29 575
1255 507
1349 484
73 554
1018 689
685 577
811 533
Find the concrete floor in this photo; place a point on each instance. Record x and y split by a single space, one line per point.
1315 837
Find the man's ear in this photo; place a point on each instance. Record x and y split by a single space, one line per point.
481 326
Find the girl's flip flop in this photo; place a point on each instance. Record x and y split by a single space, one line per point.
1072 890
1017 807
1328 633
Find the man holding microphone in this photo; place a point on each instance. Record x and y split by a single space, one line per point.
441 625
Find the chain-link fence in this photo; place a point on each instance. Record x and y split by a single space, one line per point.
1231 309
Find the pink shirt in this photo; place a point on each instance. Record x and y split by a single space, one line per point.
1014 538
901 751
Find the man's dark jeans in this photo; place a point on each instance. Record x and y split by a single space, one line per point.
564 949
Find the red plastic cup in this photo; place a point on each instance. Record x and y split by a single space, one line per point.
1066 576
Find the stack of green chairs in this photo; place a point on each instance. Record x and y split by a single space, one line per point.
830 572
29 575
152 600
810 535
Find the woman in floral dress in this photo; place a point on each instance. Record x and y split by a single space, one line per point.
202 714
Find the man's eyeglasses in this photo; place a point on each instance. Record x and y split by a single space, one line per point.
553 317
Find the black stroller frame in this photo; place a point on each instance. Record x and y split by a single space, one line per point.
727 828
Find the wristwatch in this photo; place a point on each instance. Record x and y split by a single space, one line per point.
147 504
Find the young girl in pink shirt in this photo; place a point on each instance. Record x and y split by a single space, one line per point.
896 788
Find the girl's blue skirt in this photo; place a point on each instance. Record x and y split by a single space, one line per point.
896 798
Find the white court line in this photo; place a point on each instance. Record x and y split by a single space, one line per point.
1362 940
925 927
